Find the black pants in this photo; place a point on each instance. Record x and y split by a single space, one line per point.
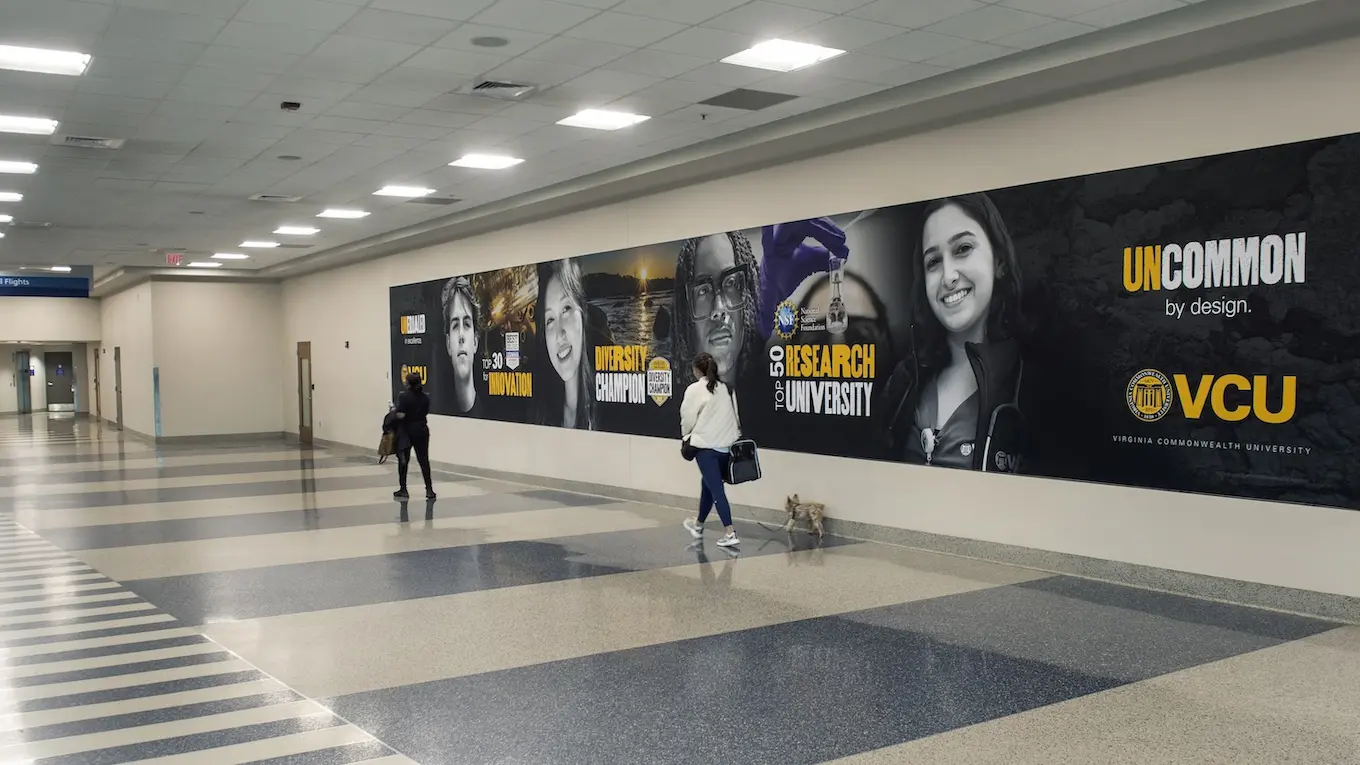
418 439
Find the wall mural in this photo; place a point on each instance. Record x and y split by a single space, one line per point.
1185 326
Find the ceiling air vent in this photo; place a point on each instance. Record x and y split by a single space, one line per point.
274 198
89 142
507 91
433 201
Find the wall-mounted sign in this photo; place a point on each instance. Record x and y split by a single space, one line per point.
44 286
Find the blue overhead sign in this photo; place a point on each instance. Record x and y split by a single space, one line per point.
44 286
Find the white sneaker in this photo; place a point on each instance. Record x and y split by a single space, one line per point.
729 540
694 528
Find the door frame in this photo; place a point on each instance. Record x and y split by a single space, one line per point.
118 383
306 386
98 401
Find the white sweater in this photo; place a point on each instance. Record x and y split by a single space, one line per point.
709 420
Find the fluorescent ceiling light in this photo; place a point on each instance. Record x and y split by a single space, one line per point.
260 245
602 119
18 168
231 256
297 230
335 212
486 161
11 196
782 55
6 218
403 191
61 269
2 235
204 264
27 125
44 61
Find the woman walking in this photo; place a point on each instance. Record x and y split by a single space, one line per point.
708 428
413 432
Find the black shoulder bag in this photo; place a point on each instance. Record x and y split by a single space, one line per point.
744 463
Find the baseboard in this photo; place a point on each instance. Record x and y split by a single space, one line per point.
126 431
1341 608
232 439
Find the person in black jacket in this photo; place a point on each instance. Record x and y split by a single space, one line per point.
954 399
413 432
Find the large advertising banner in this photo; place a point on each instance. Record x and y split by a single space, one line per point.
1185 326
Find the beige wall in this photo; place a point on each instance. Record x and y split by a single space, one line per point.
215 345
1273 100
49 320
126 322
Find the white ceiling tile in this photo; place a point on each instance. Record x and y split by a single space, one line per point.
324 136
916 13
807 82
586 53
502 126
240 59
1126 11
1047 34
727 74
432 118
215 96
702 42
859 67
60 24
829 6
517 41
1060 9
397 27
987 24
688 11
216 77
916 46
458 10
455 62
466 104
704 113
658 63
407 97
544 16
408 130
187 110
217 9
846 33
164 25
970 56
625 29
610 84
123 87
308 14
540 73
147 50
344 124
764 19
684 92
131 68
545 113
909 73
276 38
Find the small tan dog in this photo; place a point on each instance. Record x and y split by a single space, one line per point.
812 512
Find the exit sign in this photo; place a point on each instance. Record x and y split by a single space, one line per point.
174 259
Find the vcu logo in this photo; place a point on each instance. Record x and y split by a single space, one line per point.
1149 395
1231 398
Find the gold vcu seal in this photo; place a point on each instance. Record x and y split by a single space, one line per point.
1149 395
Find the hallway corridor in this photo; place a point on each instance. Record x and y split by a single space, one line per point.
267 603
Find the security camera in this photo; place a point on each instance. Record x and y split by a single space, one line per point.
290 106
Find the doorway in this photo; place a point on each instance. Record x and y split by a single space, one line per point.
305 388
23 364
61 381
98 402
118 383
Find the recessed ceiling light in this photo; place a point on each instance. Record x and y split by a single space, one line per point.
18 168
27 125
782 55
11 196
2 235
403 191
45 61
231 256
61 269
335 212
296 231
603 119
260 245
486 161
204 264
6 218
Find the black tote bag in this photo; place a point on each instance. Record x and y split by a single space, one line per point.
744 463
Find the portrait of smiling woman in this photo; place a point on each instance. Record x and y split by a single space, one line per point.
954 400
566 395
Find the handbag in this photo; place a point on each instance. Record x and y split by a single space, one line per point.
687 450
387 446
743 464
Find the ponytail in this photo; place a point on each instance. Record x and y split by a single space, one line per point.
707 367
414 382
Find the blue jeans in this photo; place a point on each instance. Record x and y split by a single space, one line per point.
712 467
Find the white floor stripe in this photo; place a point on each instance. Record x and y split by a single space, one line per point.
30 491
62 747
71 629
110 597
100 642
62 589
395 759
59 576
142 463
33 557
29 720
19 695
268 749
123 608
77 665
